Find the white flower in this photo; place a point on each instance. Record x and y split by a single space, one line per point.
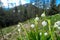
37 18
13 10
40 33
58 27
45 33
44 23
18 25
18 30
57 24
18 11
32 25
43 15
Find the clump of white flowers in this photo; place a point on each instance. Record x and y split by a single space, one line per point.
44 23
57 24
43 14
45 33
32 25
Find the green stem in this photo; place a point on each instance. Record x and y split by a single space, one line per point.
20 37
42 38
36 24
51 33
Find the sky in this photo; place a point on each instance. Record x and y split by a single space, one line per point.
57 2
15 2
5 2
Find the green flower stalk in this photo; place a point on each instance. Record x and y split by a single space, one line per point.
44 23
36 26
20 36
50 30
42 37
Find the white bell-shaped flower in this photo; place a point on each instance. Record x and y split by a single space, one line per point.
40 33
32 25
37 18
57 24
44 23
19 30
18 25
45 33
58 27
43 14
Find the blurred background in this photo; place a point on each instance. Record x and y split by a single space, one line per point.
13 12
21 10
